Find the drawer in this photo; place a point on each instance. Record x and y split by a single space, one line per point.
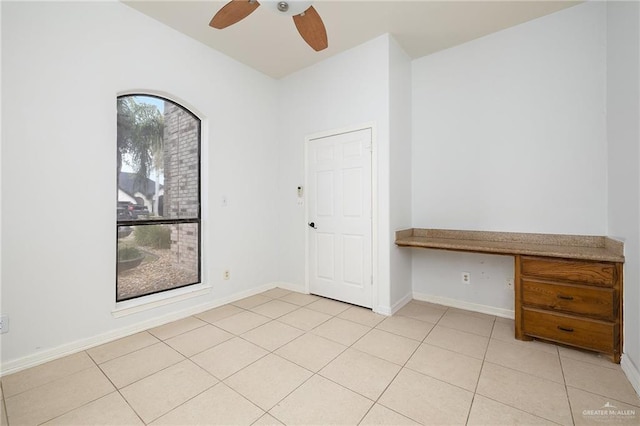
594 273
585 333
594 302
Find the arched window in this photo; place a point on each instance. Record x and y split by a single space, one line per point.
158 202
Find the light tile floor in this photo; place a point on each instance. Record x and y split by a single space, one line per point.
289 358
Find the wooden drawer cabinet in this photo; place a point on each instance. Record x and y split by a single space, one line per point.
580 271
573 302
570 329
582 300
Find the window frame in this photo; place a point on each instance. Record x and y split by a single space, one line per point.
146 222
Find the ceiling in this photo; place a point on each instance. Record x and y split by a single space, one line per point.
271 44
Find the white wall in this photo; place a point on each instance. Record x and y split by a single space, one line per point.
349 89
509 134
399 171
63 65
623 134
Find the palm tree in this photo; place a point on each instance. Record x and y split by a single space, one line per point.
141 140
125 135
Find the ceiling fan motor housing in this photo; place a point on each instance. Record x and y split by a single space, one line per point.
283 6
288 7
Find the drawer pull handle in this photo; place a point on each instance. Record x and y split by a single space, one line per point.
560 296
568 330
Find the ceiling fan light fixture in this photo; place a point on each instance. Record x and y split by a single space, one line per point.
288 7
305 17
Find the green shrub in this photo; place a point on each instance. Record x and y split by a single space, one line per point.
155 236
128 253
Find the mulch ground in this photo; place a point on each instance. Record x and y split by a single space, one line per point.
156 273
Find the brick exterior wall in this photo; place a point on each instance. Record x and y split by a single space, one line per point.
182 182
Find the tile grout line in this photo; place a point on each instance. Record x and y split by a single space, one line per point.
124 354
520 372
352 347
524 372
519 408
485 361
6 397
272 352
129 405
205 349
484 358
4 404
313 373
185 332
181 333
566 390
185 358
194 396
115 389
219 381
402 367
602 395
118 391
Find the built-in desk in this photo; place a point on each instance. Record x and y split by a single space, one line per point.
568 288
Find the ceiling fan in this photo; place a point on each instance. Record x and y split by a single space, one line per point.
305 17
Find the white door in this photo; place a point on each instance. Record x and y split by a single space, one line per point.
339 217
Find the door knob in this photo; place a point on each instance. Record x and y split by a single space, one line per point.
313 225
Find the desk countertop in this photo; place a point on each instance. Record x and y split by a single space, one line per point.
585 247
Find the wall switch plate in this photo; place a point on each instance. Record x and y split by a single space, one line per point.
4 324
466 278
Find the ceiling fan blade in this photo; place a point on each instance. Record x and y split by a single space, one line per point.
311 28
232 12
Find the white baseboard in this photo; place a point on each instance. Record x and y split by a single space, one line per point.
300 288
460 304
383 310
400 303
38 358
388 311
632 373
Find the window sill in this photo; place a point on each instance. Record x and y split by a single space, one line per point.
146 303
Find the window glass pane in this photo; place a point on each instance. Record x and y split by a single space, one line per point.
181 163
158 204
158 160
154 257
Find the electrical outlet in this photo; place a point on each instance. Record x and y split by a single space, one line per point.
466 278
510 283
226 274
4 324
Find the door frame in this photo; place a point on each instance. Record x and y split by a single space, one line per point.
374 201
